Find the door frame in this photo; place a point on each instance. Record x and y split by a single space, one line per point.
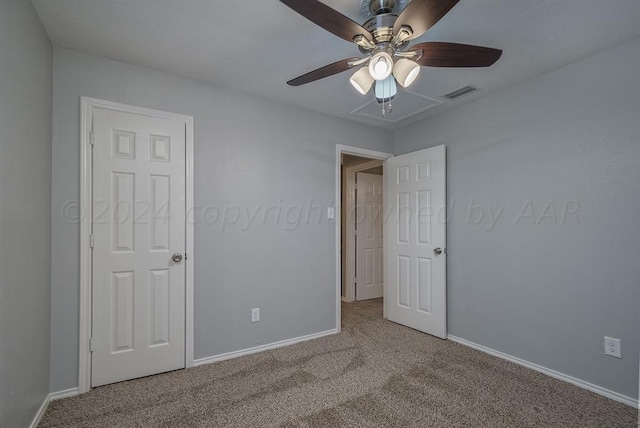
86 214
356 151
350 244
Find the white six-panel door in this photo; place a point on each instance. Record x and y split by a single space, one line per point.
415 240
369 248
138 300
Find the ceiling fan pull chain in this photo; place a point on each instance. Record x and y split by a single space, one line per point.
383 112
388 92
384 92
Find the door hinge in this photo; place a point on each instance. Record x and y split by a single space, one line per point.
92 138
185 257
91 240
91 344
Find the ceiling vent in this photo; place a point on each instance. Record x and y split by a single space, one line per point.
457 93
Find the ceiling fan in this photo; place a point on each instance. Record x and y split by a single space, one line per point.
384 42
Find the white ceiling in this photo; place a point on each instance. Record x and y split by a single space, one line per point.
257 45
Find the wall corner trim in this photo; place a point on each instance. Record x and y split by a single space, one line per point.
261 348
549 372
48 399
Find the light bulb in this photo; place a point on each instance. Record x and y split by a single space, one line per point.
380 66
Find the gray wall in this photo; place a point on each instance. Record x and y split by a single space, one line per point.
25 212
544 289
248 153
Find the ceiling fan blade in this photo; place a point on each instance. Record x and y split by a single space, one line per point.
442 54
328 18
421 15
322 72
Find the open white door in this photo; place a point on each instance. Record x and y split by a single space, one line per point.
415 240
139 227
369 249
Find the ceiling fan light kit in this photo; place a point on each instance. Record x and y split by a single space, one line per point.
384 41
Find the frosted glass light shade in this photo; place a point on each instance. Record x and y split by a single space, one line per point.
362 80
386 89
381 66
406 71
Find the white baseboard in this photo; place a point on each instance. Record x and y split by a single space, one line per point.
199 362
549 372
49 398
274 345
41 412
63 394
229 355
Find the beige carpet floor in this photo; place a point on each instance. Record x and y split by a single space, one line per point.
373 374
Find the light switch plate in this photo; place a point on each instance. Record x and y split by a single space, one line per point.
331 213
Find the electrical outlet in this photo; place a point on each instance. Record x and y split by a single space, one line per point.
255 314
612 347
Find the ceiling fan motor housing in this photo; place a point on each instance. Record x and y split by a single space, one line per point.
384 14
378 7
381 27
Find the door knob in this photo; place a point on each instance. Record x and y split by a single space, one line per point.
177 257
438 251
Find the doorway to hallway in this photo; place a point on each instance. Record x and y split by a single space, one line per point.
361 234
413 257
